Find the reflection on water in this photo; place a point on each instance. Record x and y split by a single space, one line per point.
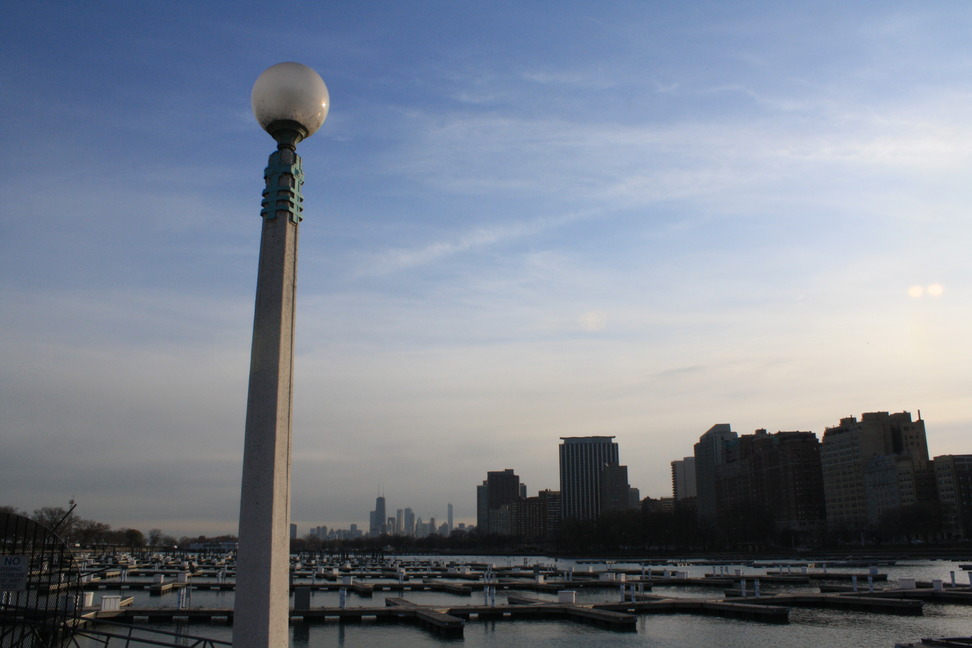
817 627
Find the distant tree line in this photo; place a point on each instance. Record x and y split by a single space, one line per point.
91 534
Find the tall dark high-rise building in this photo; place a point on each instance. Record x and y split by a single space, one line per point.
710 452
502 489
776 477
551 504
683 478
581 461
954 478
378 518
409 522
482 508
615 492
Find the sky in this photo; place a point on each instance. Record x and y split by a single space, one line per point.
523 221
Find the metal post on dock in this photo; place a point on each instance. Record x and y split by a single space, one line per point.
854 582
742 588
953 578
870 583
756 587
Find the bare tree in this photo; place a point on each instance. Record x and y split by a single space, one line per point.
89 532
58 519
134 538
153 537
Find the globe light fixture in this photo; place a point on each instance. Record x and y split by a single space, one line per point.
290 101
290 97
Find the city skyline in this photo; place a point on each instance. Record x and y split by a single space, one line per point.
634 220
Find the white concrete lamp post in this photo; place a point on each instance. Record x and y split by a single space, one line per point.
291 102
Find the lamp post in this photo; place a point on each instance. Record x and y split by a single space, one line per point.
291 102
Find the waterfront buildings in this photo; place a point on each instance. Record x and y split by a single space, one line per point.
495 499
868 479
771 486
531 519
615 492
953 477
482 507
581 461
709 454
872 466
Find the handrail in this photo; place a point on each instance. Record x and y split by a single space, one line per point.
176 639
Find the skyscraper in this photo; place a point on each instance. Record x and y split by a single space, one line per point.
615 492
450 520
378 518
683 478
409 522
776 477
502 489
482 508
954 476
710 453
581 461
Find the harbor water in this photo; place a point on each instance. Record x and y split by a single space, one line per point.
818 628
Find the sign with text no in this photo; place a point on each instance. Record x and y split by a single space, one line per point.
13 573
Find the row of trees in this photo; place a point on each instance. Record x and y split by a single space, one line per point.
75 530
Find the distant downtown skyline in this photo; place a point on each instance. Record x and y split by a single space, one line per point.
583 457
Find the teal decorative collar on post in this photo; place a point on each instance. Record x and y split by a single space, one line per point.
284 178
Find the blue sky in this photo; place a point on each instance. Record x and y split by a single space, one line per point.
522 221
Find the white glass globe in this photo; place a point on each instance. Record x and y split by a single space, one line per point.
290 92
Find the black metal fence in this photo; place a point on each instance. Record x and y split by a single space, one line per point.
40 585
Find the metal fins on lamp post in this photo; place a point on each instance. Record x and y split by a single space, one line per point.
291 102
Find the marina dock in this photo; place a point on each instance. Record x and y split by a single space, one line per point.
634 588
